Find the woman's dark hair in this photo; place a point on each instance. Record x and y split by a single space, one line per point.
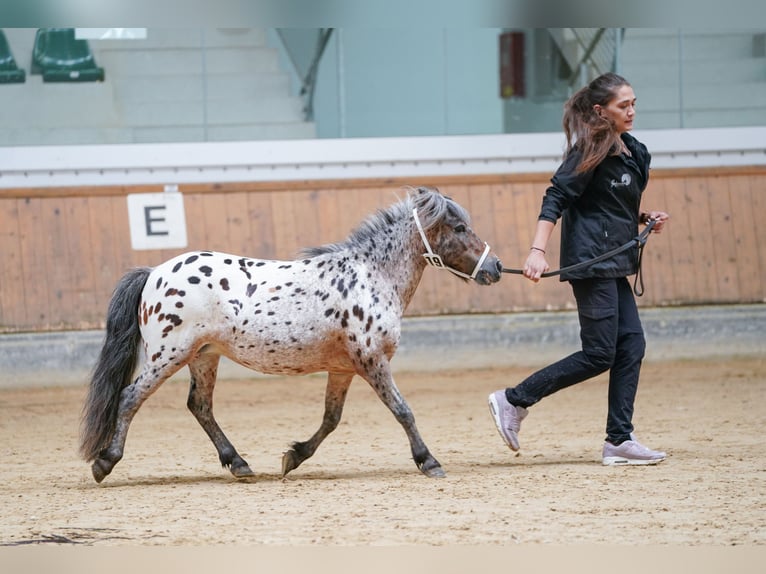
593 135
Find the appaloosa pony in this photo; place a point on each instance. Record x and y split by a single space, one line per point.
336 309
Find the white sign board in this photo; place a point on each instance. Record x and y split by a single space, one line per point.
157 220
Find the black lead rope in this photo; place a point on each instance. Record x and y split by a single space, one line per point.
639 241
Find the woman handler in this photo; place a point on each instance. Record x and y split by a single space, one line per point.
597 194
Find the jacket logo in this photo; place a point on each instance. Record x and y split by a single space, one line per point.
624 181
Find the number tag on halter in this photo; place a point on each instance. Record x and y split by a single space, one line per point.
434 260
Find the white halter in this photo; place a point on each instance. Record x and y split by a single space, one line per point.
436 261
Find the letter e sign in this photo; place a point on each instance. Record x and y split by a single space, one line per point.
157 220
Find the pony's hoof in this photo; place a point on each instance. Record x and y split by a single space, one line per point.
242 471
433 470
100 469
289 462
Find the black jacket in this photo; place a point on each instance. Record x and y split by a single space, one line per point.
599 210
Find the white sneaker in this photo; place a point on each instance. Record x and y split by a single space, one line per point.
507 418
630 452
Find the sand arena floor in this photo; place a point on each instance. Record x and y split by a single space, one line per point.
362 488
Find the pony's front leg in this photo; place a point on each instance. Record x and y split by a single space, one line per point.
382 382
335 397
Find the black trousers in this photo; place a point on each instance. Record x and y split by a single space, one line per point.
612 339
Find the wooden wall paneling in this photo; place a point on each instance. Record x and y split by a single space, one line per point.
700 221
356 204
515 242
307 230
124 256
506 245
743 224
237 221
369 201
383 198
162 255
58 267
12 294
214 221
196 230
524 219
34 255
722 230
107 268
658 258
758 208
285 240
193 214
81 276
743 220
349 212
390 195
677 239
196 233
328 227
261 226
54 235
121 249
670 249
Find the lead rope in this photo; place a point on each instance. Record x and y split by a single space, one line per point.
639 239
639 279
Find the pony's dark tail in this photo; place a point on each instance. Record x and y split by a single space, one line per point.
115 366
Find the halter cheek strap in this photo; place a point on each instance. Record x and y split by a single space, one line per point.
436 261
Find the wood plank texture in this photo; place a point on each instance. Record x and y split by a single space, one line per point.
63 251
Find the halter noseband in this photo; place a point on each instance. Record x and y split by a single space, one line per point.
436 261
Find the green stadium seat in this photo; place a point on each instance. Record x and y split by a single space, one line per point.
10 73
60 57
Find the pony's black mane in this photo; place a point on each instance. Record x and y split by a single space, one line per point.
432 207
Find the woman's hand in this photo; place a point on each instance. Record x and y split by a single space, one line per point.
660 217
535 265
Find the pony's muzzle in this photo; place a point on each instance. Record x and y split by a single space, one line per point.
490 272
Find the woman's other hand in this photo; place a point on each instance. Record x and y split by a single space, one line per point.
535 265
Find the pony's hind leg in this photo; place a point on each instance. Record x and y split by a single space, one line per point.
131 399
335 397
204 369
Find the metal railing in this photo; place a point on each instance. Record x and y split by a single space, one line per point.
305 60
589 52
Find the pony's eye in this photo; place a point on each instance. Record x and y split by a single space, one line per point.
460 228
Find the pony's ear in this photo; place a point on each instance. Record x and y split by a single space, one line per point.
423 189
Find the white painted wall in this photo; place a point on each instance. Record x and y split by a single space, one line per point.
168 164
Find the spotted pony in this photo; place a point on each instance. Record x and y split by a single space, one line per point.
338 308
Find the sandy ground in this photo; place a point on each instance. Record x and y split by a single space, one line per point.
362 488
